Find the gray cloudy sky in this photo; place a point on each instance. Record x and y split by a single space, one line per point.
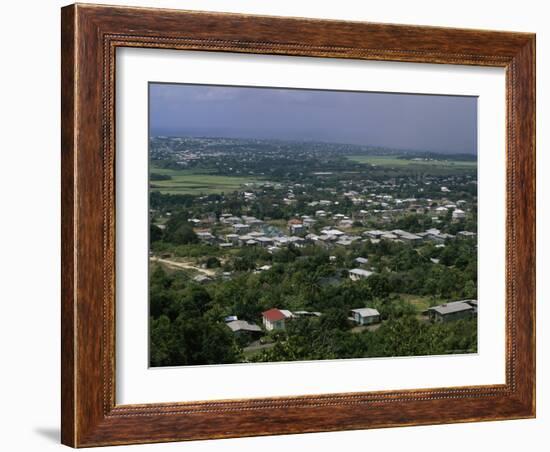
407 121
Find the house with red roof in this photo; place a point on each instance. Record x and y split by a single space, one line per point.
275 319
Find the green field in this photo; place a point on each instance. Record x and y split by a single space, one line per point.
392 161
196 182
420 302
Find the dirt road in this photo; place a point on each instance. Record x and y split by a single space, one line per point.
184 266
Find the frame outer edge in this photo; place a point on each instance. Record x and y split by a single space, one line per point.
68 230
525 61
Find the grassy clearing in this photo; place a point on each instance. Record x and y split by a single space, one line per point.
195 182
420 303
391 161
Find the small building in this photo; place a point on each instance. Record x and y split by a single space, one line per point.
231 220
375 234
205 236
454 310
255 223
240 228
275 319
343 242
244 328
233 238
361 260
325 241
305 314
308 222
459 214
202 279
296 228
358 273
265 241
335 232
281 240
365 316
297 241
346 224
466 234
256 234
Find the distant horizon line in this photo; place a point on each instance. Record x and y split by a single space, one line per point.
317 142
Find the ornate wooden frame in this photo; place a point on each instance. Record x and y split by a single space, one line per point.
90 35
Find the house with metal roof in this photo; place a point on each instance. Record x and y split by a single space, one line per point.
358 273
242 326
365 316
275 319
454 310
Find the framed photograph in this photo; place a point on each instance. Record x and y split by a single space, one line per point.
281 225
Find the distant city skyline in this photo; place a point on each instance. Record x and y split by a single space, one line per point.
433 123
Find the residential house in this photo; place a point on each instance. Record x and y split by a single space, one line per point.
365 316
358 273
459 214
240 228
275 319
202 279
454 310
206 236
244 328
232 238
231 220
346 224
301 314
265 241
296 227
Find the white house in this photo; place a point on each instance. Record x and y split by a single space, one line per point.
358 273
275 319
296 228
458 214
365 316
240 228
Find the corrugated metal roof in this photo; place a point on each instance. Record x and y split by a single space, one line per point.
366 312
360 272
450 308
243 325
273 315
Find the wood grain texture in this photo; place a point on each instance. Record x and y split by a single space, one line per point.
67 226
90 36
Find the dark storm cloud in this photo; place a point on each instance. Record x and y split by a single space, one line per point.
406 121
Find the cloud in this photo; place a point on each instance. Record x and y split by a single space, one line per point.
413 121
